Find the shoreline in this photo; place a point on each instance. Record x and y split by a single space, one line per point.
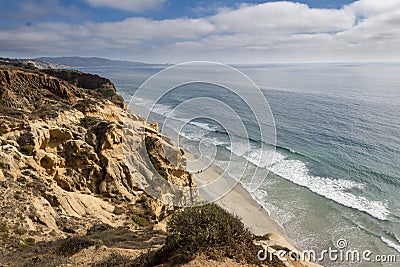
240 202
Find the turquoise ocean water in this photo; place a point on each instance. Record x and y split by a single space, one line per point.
336 172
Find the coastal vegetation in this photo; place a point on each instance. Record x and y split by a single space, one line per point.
205 230
67 196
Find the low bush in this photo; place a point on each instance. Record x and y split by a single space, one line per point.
26 149
3 227
108 94
30 241
73 245
89 121
208 230
139 220
114 260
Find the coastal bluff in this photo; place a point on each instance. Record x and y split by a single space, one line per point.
67 196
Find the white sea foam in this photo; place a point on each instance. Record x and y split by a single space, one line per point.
261 157
141 102
158 108
337 190
281 218
168 111
260 195
205 126
297 172
162 109
192 136
239 148
391 244
198 136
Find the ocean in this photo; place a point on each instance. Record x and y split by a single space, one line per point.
335 171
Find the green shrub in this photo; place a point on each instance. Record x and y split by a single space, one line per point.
20 231
89 121
26 149
30 241
201 227
86 105
108 94
73 245
29 66
208 230
3 228
114 260
140 220
119 210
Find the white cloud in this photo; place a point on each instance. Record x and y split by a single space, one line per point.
284 17
278 31
127 5
373 7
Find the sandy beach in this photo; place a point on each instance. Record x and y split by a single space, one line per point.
237 201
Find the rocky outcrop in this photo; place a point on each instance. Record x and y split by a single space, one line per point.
28 90
89 81
168 161
63 168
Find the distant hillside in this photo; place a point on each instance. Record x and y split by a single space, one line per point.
31 63
88 62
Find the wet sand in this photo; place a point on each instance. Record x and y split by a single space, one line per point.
237 201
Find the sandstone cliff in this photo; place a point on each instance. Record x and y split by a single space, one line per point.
63 171
73 163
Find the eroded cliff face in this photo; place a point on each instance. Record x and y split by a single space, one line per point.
99 84
63 170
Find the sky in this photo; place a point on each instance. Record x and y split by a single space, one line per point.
174 31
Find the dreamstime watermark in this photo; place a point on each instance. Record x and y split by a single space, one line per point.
340 253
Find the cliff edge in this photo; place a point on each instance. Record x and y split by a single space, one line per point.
67 194
62 167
